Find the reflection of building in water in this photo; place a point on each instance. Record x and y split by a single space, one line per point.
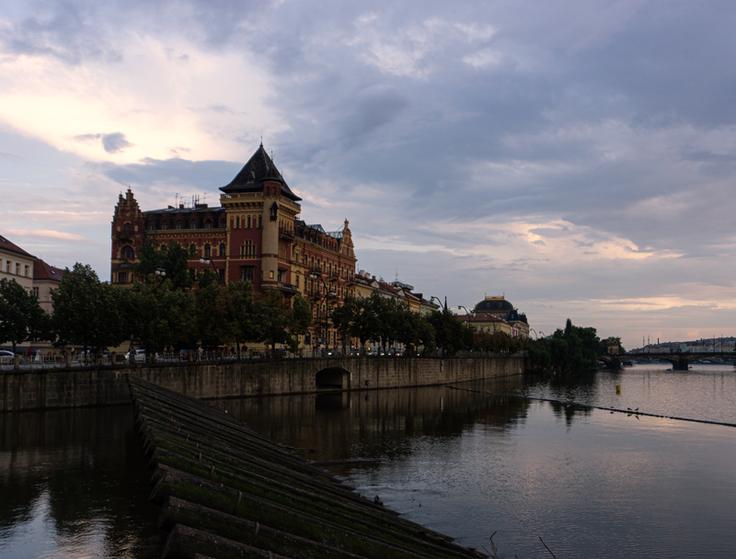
377 423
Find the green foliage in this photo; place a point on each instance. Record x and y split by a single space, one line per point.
160 317
21 318
452 335
274 319
86 311
570 351
169 262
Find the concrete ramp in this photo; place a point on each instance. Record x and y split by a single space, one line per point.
226 491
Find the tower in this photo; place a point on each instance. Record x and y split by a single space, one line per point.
260 211
127 238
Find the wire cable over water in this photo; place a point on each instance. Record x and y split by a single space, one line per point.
563 403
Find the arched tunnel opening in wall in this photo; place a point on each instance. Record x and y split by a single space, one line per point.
332 378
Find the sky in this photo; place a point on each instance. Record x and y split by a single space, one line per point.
576 156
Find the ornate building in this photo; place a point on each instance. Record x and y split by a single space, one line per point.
254 235
497 314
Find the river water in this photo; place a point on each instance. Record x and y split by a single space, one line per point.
589 483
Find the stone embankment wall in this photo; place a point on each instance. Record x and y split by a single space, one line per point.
47 389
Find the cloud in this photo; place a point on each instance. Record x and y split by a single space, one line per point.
47 234
111 143
557 158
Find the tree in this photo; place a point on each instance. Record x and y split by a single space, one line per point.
345 318
211 314
169 261
274 319
21 317
160 317
301 318
241 322
86 311
452 334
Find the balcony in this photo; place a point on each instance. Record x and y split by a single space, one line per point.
286 234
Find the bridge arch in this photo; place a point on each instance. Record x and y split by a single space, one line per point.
332 378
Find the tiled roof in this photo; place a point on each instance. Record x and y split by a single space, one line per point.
258 169
9 246
42 271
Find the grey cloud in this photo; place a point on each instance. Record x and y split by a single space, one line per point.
114 142
111 143
206 175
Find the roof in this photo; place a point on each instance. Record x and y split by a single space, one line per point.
480 317
259 169
10 246
493 304
180 210
43 271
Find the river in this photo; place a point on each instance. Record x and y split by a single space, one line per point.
590 483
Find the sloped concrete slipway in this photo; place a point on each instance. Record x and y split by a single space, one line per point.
226 491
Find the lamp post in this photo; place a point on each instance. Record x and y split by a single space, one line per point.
467 312
211 263
439 301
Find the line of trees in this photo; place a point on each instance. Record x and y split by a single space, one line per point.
155 315
386 322
168 310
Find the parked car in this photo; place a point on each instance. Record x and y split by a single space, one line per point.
6 357
137 355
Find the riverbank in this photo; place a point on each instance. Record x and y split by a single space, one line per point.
69 388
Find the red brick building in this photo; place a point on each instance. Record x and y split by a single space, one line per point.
255 234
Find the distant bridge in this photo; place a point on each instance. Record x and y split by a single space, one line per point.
680 359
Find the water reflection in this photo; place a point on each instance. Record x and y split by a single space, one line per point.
466 463
341 426
704 392
73 484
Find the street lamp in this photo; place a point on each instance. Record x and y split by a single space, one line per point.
432 298
211 263
467 312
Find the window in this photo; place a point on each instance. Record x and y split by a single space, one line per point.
207 251
248 249
26 270
237 222
248 221
127 229
192 250
246 273
122 277
17 269
127 253
222 249
274 212
35 292
282 274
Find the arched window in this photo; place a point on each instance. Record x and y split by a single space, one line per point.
222 249
207 251
127 253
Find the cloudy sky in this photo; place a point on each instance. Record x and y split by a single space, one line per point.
577 156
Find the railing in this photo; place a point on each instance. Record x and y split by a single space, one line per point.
109 360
